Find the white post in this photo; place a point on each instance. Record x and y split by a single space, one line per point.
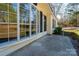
18 21
50 24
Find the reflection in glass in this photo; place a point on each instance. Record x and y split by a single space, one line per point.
33 20
38 21
12 21
3 23
45 22
24 20
41 22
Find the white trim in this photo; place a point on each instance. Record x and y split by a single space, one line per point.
30 19
42 22
51 24
39 21
8 23
18 22
36 23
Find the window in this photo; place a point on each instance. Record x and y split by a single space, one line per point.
33 20
24 20
4 7
45 22
8 22
41 22
3 12
13 21
28 23
54 23
3 32
38 22
3 22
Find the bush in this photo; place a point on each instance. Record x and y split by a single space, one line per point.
58 30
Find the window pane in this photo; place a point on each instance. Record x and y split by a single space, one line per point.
12 7
12 21
53 23
24 13
33 20
3 32
12 31
3 7
3 22
3 16
24 20
41 24
22 30
3 12
12 18
38 21
45 22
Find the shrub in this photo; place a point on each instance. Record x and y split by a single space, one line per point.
58 30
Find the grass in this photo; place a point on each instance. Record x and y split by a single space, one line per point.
72 31
74 34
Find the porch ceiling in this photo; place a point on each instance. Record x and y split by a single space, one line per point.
44 7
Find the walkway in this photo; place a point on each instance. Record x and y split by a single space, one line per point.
49 45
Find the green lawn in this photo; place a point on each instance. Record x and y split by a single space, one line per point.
72 30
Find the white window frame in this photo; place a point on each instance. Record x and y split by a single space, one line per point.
18 21
30 20
39 20
43 22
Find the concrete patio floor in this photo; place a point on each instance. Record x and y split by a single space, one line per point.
49 45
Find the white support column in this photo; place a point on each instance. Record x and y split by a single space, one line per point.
30 19
18 21
51 24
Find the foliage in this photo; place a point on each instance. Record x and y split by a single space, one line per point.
58 30
7 9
